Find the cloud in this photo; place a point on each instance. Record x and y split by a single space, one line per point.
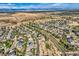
14 6
38 6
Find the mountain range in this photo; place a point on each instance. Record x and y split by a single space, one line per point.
13 7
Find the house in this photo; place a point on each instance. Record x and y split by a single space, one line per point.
69 38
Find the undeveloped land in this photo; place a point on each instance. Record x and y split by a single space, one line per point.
20 17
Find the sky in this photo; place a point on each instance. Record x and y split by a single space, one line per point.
40 6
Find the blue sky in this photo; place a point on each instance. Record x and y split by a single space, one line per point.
38 6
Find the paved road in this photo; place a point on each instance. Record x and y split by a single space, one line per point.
37 42
48 35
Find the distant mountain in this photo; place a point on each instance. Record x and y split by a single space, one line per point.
16 7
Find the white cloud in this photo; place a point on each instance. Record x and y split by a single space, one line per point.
41 5
13 6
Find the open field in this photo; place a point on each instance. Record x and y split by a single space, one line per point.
39 33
